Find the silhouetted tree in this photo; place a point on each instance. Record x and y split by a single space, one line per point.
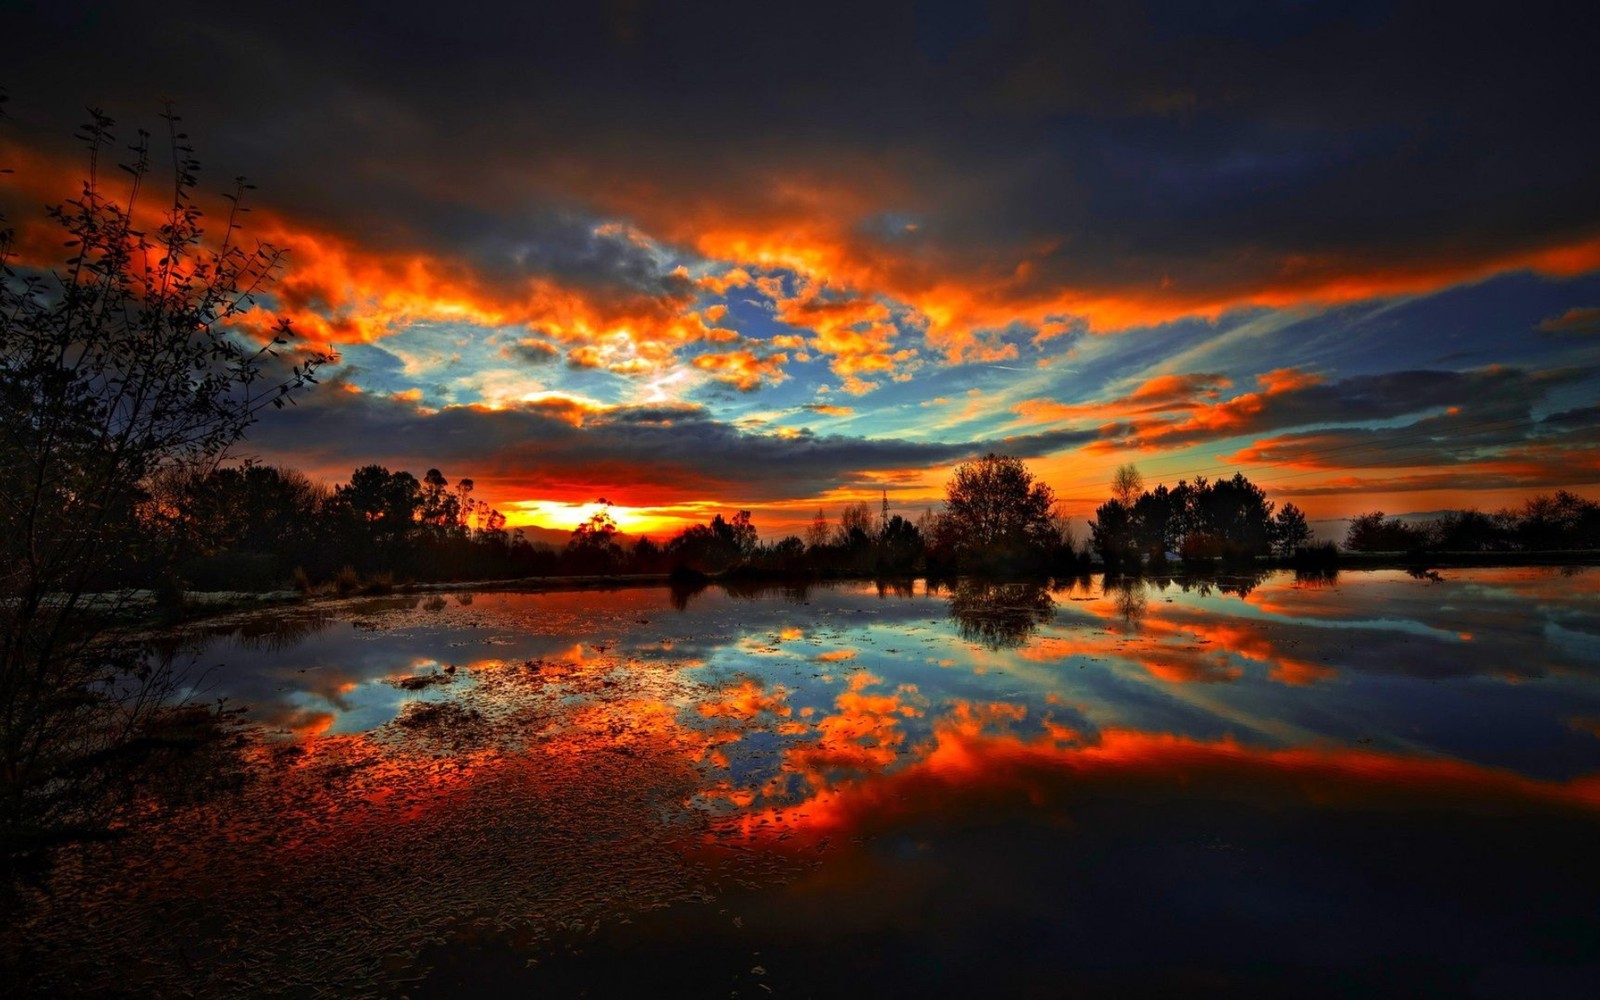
646 556
117 366
713 547
996 516
1290 530
1544 523
1127 485
1371 532
899 547
855 526
1156 521
1562 521
1469 531
817 533
1231 518
1061 528
440 510
1112 535
787 556
593 547
375 514
236 527
741 532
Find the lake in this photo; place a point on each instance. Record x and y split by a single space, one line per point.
1377 783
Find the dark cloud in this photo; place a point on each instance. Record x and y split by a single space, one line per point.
1580 319
1207 149
1449 439
532 352
665 454
1039 444
1572 421
580 251
1484 407
1526 478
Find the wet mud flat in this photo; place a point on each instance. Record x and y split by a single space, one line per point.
1377 785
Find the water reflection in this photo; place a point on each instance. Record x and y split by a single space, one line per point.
999 615
896 588
1132 604
278 633
1316 576
1047 773
1353 642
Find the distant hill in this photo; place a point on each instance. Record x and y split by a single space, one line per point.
553 537
556 538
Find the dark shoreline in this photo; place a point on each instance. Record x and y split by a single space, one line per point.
202 605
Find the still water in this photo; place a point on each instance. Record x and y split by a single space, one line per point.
1378 783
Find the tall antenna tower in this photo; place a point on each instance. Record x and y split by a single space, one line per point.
885 522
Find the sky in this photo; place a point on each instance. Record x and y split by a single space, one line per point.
695 257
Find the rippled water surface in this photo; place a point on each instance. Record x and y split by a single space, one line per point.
1374 784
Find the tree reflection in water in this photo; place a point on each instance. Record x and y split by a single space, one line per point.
682 592
999 615
792 592
1316 576
1237 582
1132 603
896 588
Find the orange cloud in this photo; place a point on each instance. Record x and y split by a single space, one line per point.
1584 319
1216 419
339 290
1183 651
1161 394
854 332
1179 389
745 700
744 369
811 224
736 277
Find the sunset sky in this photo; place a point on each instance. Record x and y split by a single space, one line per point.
699 257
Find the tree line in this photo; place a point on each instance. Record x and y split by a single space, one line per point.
997 518
1230 520
255 526
1563 522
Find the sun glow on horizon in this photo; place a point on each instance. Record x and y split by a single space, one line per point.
562 516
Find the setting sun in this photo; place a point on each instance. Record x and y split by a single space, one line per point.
560 516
